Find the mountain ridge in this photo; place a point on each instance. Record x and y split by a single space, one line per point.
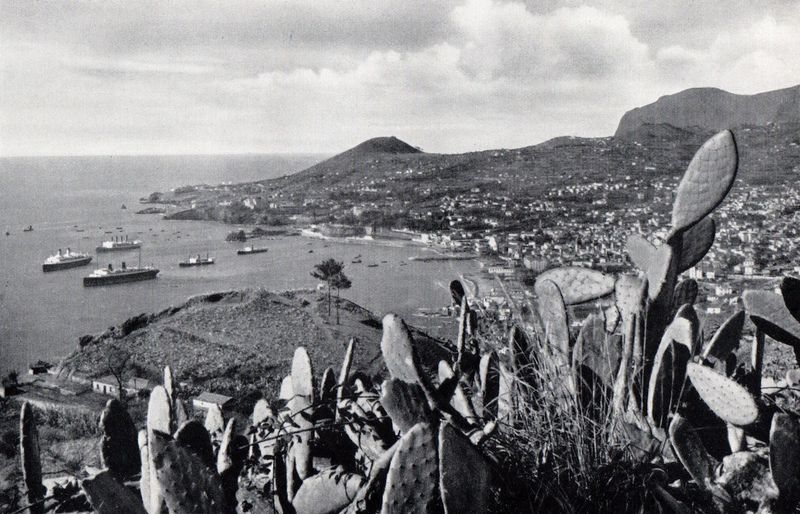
709 108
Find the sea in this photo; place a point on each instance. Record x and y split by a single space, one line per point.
76 203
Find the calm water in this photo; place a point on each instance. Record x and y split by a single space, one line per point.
42 315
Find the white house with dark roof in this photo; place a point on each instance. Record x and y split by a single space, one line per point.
205 400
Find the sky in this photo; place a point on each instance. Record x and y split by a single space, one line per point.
320 76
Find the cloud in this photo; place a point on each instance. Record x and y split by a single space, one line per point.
449 75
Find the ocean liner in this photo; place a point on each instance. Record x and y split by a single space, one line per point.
109 276
65 260
118 244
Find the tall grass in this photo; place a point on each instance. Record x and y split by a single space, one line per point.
564 450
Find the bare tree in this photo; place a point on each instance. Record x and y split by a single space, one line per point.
117 359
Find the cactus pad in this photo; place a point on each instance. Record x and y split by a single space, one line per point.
464 473
639 250
159 411
696 242
770 314
119 450
459 400
328 491
666 379
108 496
579 285
685 293
727 399
398 350
214 422
685 328
596 350
302 374
327 386
489 372
147 479
784 456
726 339
690 451
405 403
790 290
413 474
287 392
193 436
630 295
187 484
169 383
707 180
261 412
457 292
554 316
30 457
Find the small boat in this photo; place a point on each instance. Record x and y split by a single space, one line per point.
109 276
372 265
356 261
8 233
66 260
197 261
247 250
29 228
118 244
123 207
311 251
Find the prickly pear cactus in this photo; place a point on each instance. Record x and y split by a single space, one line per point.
769 313
692 454
685 293
696 242
784 457
405 403
726 339
666 379
707 180
458 459
790 291
413 474
459 399
300 404
119 451
193 436
215 422
330 490
29 456
489 372
187 484
230 462
108 496
344 377
327 386
727 399
159 418
398 351
147 479
579 285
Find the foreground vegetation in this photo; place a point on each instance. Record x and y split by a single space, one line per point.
640 412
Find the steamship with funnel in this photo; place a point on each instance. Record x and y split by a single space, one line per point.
118 244
65 260
109 275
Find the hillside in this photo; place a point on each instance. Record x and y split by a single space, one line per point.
240 343
714 109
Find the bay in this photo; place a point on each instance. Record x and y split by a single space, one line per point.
76 203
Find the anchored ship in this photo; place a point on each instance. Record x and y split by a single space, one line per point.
247 250
118 244
66 260
108 276
197 261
